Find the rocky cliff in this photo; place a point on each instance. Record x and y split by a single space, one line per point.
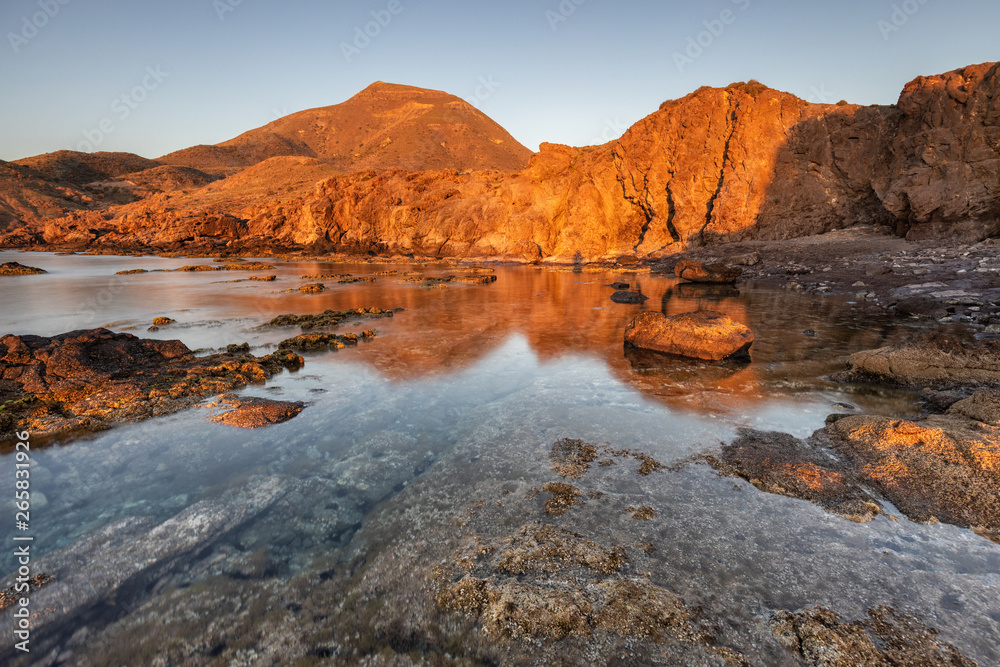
737 163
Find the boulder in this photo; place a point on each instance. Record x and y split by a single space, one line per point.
703 334
697 272
625 296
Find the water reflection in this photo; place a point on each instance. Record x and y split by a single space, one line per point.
445 329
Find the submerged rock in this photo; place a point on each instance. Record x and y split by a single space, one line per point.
885 638
546 601
95 378
112 562
697 272
932 359
319 342
15 269
782 464
253 412
328 318
703 334
624 296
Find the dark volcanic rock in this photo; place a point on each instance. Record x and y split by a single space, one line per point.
697 272
95 378
624 296
933 359
15 269
703 334
253 412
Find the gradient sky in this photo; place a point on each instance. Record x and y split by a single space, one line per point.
566 71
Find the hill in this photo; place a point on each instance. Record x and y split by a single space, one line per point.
385 126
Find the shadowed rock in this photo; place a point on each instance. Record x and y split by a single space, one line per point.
697 272
624 296
934 359
703 334
15 269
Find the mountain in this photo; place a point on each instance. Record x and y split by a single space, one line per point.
720 164
51 185
385 126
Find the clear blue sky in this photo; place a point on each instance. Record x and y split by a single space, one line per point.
566 71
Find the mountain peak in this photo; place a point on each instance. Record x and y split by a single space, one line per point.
385 126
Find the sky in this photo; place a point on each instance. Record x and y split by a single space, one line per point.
154 76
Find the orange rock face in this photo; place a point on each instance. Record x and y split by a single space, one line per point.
721 164
703 334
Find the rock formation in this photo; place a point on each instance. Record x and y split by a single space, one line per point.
703 334
721 164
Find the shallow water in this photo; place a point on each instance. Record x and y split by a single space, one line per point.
475 383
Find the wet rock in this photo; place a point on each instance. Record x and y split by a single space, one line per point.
572 457
95 378
703 334
942 468
253 412
434 281
618 286
983 406
319 342
624 296
235 266
643 512
921 307
163 321
564 496
782 464
264 279
328 318
697 272
130 272
312 288
886 638
933 359
15 269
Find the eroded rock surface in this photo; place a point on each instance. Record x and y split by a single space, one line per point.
886 638
940 468
95 378
720 164
933 359
254 412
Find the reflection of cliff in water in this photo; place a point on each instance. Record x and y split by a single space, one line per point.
562 312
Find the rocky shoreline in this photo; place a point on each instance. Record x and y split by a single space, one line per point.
537 556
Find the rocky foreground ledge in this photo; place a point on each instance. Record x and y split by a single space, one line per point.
92 379
941 467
